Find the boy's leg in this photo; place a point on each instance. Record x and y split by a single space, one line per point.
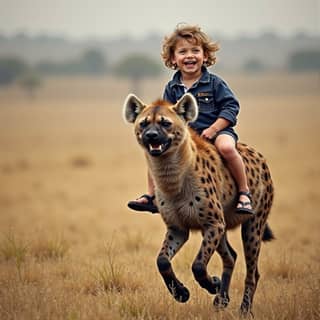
226 146
150 187
146 201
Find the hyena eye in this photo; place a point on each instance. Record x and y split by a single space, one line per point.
143 124
165 123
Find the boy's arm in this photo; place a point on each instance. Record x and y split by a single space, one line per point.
217 126
229 109
227 102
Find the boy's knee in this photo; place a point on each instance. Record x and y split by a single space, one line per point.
227 150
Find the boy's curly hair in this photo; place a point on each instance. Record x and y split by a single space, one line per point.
191 33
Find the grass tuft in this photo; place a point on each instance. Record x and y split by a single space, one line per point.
110 276
14 249
51 249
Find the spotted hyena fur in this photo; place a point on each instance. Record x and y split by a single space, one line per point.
195 191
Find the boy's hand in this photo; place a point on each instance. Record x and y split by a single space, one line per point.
209 133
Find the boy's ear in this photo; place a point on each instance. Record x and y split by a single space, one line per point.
205 59
187 107
132 107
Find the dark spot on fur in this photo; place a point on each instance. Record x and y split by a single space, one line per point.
191 204
213 169
197 198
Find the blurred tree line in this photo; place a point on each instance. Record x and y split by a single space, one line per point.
92 63
134 67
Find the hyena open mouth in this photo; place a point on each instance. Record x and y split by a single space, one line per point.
157 148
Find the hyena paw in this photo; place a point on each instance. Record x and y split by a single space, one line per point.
221 301
245 310
179 292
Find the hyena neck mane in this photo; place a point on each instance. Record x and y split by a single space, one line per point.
171 170
174 170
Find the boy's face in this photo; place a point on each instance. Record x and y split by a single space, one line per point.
189 57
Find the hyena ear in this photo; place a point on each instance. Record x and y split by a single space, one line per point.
132 108
187 107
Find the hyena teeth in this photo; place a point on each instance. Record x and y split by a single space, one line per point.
157 147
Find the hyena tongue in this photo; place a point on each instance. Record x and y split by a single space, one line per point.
155 147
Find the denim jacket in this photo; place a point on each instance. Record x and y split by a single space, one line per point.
215 99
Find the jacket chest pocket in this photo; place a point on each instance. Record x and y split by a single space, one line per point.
205 102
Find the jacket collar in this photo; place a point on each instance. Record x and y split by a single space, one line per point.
176 80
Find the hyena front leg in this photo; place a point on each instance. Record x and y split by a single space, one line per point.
211 238
174 240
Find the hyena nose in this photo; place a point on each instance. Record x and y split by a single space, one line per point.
152 134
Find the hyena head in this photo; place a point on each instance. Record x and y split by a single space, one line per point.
160 127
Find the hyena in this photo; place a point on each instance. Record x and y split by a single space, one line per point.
196 191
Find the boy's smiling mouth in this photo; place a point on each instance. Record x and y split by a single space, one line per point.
190 63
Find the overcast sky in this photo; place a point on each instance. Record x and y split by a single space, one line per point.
106 18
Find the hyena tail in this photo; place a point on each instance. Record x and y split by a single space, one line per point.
267 234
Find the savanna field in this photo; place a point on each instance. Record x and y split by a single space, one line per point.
71 249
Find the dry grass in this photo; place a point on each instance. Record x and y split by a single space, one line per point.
69 247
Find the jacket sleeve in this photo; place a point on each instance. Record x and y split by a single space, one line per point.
227 102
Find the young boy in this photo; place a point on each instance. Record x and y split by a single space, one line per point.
190 51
